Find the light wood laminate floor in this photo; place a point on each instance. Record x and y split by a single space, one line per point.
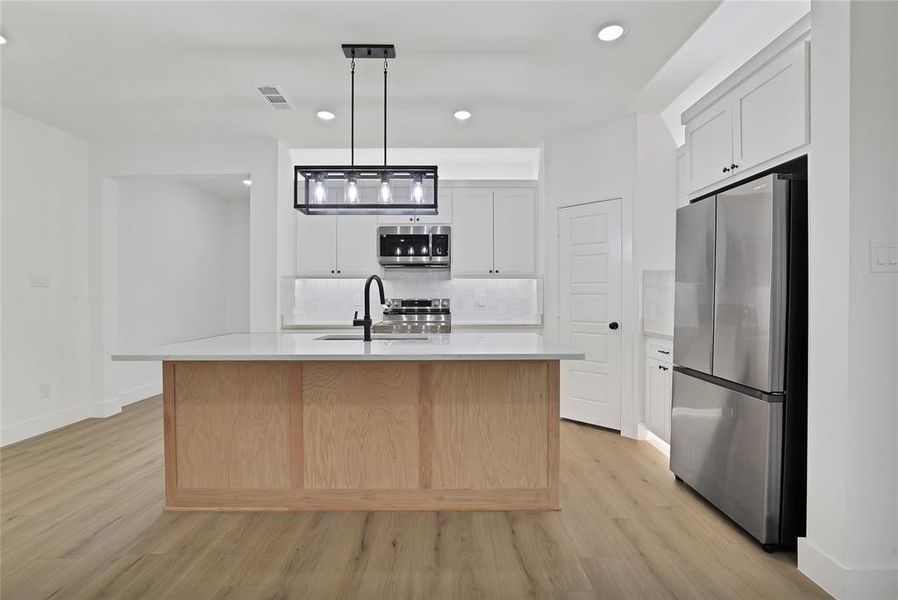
82 518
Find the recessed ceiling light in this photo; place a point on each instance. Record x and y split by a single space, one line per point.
326 115
462 115
2 40
611 32
247 182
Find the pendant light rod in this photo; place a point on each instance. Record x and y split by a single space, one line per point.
352 112
385 109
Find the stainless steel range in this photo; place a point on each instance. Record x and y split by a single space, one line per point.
415 315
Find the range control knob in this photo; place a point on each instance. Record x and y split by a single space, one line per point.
445 302
389 303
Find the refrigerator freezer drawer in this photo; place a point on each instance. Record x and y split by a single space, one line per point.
728 447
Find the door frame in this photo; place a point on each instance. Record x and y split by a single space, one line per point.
628 317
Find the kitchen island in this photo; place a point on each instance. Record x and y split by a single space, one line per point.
289 421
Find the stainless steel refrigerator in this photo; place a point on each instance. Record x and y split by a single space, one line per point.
738 424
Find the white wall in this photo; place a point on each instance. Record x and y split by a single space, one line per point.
44 231
632 158
271 245
851 548
182 272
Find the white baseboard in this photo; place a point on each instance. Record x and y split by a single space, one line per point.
646 435
9 434
114 405
843 583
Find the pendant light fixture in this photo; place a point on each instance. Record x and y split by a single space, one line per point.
364 190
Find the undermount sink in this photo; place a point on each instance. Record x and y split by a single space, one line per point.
374 337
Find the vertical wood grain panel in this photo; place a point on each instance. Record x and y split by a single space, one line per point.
425 428
232 423
295 434
360 425
168 431
489 424
554 425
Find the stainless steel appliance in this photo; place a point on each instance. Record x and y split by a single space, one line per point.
413 245
738 425
415 315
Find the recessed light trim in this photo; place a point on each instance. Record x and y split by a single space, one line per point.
611 32
462 115
247 182
326 115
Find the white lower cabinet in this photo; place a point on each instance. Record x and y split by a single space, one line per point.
658 387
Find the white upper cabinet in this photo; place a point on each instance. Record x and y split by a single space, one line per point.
772 115
757 118
472 232
514 227
336 246
444 217
493 232
316 245
710 141
357 245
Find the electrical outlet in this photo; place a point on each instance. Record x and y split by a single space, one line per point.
883 257
44 391
39 279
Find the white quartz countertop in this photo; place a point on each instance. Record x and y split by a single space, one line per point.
309 346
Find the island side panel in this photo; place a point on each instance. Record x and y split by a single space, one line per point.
490 424
497 447
360 425
232 423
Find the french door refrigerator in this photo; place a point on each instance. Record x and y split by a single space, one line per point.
738 423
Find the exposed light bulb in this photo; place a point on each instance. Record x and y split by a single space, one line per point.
2 40
418 191
386 193
352 191
247 182
320 188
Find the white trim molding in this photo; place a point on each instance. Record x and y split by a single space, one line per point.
870 582
16 432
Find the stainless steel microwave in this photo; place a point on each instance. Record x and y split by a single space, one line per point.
413 245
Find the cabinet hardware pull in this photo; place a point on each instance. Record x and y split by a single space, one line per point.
734 166
663 352
332 270
725 169
662 368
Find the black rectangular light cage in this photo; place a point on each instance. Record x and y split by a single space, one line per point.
365 190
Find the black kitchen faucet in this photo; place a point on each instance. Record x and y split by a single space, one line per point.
366 322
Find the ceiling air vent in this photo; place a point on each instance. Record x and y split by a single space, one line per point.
275 98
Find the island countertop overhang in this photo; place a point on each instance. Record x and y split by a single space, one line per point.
309 347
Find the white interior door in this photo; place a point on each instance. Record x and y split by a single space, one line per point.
589 250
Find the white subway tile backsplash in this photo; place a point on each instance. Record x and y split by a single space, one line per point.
474 301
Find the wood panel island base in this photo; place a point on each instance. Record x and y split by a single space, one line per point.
361 435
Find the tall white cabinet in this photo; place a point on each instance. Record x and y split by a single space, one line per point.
494 232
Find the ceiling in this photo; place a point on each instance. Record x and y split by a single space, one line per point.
170 71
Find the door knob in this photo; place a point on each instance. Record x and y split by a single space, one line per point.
613 325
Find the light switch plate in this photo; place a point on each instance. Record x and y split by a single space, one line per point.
883 257
39 279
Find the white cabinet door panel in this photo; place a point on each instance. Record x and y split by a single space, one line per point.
316 245
771 109
472 232
514 213
658 380
710 142
356 245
